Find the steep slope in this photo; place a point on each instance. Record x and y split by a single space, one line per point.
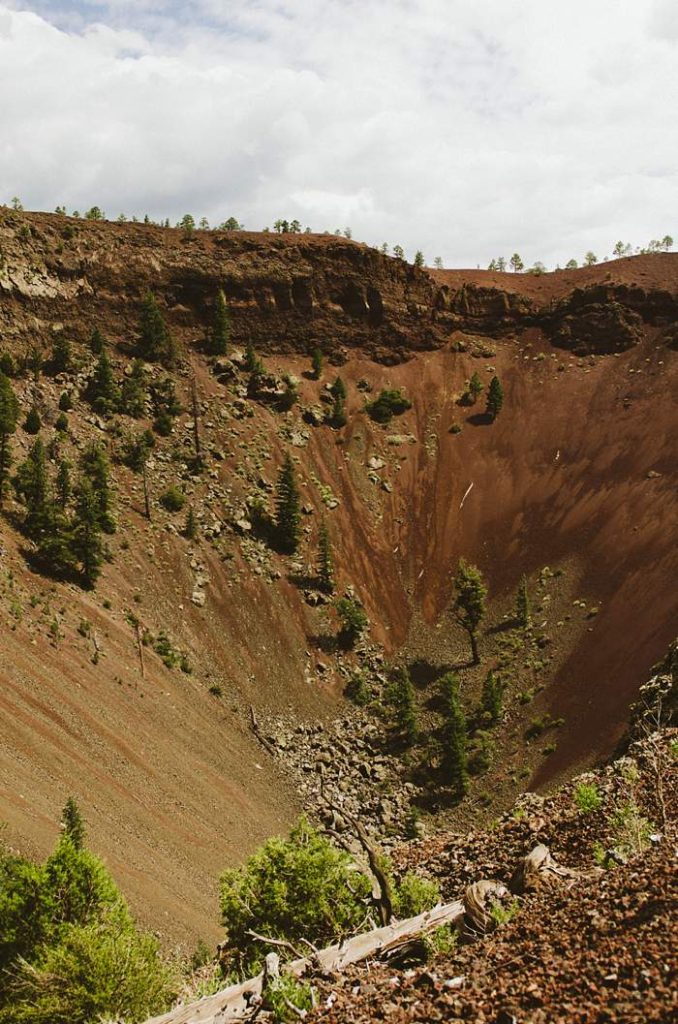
578 472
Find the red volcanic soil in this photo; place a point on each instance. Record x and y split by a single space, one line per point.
655 271
579 471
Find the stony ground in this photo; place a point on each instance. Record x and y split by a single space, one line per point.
601 948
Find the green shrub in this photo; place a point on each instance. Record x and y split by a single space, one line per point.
501 914
413 895
535 728
297 888
285 990
103 970
162 646
387 404
442 941
587 797
358 689
173 500
353 621
70 952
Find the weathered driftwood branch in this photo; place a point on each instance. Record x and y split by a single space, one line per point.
237 1002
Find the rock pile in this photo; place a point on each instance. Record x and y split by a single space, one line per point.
345 764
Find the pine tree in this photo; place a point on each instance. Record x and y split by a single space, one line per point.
94 466
64 488
62 355
8 364
155 341
400 696
250 362
317 363
469 605
475 387
455 759
33 421
338 392
191 527
419 258
495 398
220 334
288 508
72 823
33 361
325 560
523 614
102 391
9 417
97 342
256 381
133 391
353 621
491 698
86 543
54 550
32 487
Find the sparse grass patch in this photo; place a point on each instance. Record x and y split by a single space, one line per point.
587 797
501 914
288 998
442 941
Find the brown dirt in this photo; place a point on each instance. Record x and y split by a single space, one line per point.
172 783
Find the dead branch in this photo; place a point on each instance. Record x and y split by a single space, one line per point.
385 898
282 943
140 649
254 726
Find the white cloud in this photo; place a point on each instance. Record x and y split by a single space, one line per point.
466 128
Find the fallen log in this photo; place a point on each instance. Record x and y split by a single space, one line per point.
239 1002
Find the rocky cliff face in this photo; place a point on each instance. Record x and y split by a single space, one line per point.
295 292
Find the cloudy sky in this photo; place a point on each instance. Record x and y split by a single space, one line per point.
466 128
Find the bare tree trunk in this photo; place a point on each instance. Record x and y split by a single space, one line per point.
147 501
140 649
